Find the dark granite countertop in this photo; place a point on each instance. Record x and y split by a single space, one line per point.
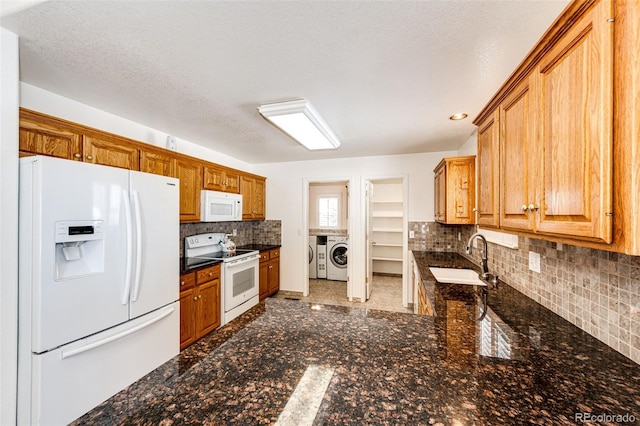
259 247
185 268
520 364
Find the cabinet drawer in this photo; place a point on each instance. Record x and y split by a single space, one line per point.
208 274
264 256
274 253
187 281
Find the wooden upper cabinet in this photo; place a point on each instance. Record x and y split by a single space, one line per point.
39 136
253 190
111 153
232 181
488 176
575 108
455 189
221 179
559 136
158 162
189 172
517 159
440 192
259 197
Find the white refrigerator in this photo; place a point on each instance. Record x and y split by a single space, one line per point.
98 284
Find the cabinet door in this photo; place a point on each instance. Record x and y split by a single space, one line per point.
259 189
111 153
232 182
440 194
460 191
208 316
488 199
264 279
575 129
213 178
189 173
517 160
188 301
47 139
157 162
246 189
274 276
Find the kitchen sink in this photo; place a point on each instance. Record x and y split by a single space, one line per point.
456 276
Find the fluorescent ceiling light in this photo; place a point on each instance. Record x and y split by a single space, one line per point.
301 121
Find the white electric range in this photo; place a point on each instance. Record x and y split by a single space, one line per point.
239 273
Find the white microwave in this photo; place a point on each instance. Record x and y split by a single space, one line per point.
220 206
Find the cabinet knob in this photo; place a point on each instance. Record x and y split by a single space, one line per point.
199 296
532 207
210 274
89 157
524 207
77 155
195 298
181 282
475 210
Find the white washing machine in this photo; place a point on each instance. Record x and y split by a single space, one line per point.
321 252
313 258
337 248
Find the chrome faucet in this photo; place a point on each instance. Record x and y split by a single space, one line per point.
484 259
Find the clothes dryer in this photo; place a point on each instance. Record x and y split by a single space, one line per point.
337 249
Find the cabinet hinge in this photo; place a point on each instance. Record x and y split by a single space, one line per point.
609 213
366 280
611 20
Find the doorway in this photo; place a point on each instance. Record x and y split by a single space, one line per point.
386 240
328 235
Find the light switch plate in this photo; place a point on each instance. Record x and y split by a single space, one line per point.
534 261
412 234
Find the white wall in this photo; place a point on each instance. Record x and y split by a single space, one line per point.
336 189
286 198
8 225
470 147
46 102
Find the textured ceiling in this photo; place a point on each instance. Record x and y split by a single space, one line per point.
384 75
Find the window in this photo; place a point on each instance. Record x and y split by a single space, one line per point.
328 211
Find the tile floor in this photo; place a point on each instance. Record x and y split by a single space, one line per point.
386 294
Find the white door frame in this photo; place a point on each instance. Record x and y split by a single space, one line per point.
407 293
305 227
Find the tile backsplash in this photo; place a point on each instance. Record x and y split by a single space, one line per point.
248 232
598 291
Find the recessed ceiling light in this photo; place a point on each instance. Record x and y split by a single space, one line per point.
459 116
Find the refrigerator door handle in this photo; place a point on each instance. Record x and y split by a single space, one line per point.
125 333
138 216
128 225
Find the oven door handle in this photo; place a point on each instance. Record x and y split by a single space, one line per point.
243 260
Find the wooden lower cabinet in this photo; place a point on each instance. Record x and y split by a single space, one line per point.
269 273
199 304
